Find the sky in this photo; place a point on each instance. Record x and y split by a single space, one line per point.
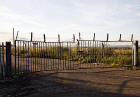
68 17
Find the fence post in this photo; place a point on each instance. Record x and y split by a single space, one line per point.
79 36
31 36
120 37
0 60
94 37
107 36
135 53
3 64
73 37
44 38
8 59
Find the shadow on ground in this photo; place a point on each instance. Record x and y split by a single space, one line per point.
69 84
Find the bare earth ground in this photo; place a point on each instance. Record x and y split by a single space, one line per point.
96 82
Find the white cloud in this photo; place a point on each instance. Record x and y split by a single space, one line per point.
68 17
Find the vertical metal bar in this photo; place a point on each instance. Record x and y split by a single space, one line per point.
102 47
65 67
67 57
48 56
93 52
13 36
44 56
39 56
63 56
35 57
46 62
70 57
15 57
60 56
53 54
44 48
18 55
24 66
135 47
28 57
51 63
20 59
31 52
80 51
84 55
88 55
89 51
59 53
3 60
105 48
96 53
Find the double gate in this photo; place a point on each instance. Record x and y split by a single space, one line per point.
32 56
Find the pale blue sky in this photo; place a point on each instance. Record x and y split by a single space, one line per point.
68 17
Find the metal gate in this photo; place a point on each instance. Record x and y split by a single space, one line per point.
96 53
32 56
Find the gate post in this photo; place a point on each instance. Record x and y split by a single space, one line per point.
8 59
0 60
135 53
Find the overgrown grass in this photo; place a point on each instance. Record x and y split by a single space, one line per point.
83 55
